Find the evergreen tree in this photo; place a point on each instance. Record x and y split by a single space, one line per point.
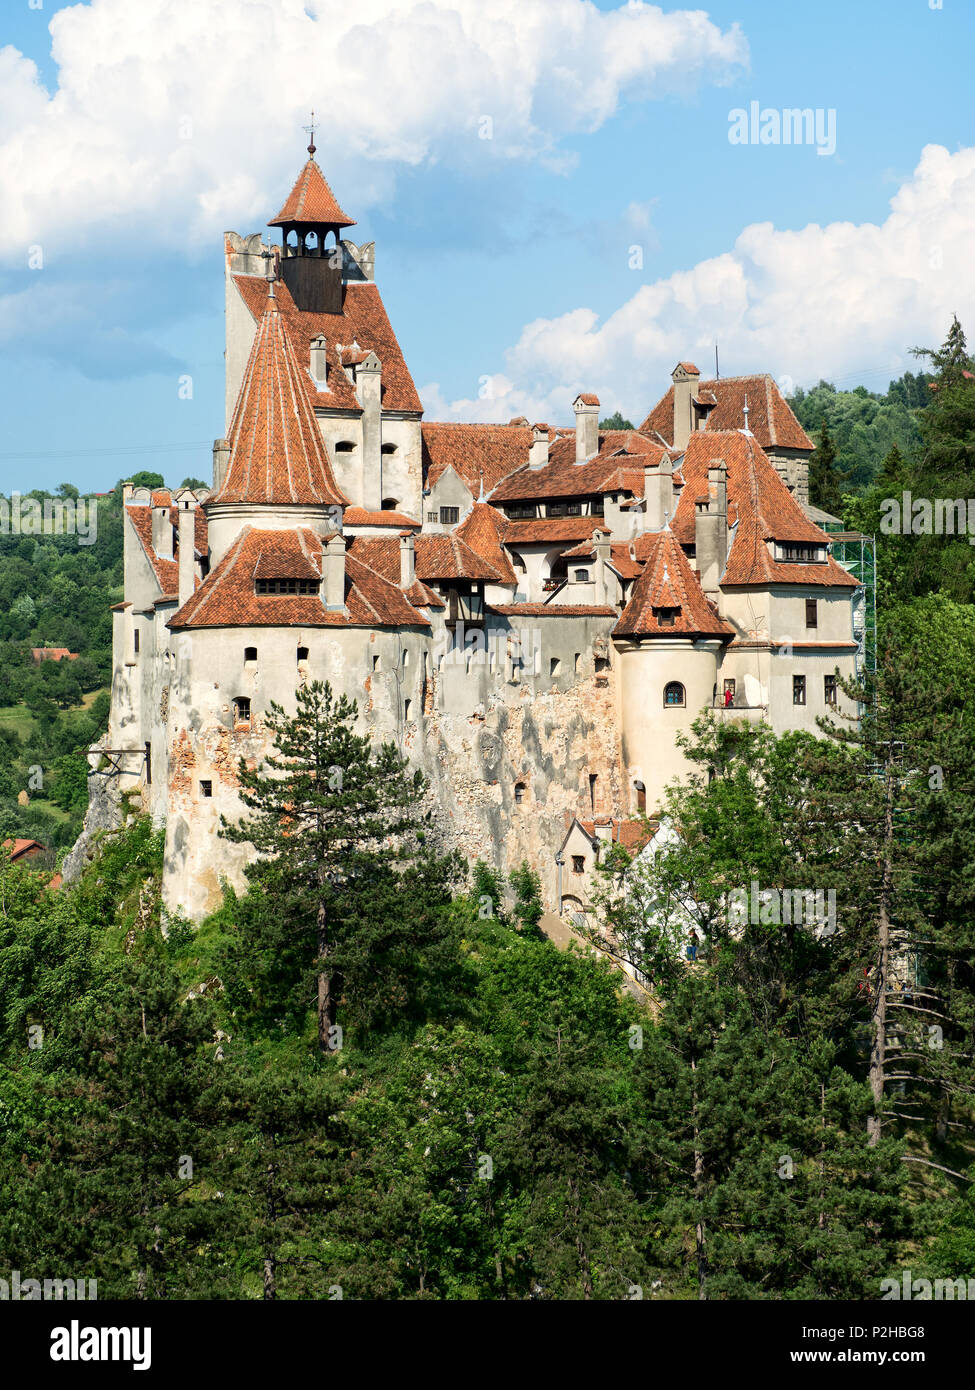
825 479
330 811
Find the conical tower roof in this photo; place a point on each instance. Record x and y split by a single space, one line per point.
311 201
668 581
277 454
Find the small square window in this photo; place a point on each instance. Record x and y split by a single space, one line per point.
250 653
578 863
302 653
798 690
206 789
449 516
242 710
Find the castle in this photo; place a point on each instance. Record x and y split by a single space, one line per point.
532 613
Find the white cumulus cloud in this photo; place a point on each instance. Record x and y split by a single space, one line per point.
175 119
840 300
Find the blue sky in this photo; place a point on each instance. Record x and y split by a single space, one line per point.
476 239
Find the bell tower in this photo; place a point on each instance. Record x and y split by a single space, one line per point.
311 223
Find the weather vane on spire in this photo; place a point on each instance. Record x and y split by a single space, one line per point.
310 129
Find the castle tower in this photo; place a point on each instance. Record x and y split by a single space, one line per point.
311 223
274 471
668 643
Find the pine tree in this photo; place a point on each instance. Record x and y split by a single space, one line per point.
329 811
825 478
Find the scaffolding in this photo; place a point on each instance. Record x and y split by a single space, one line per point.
857 554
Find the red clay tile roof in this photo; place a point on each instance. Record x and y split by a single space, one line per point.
690 368
668 581
437 558
588 399
627 565
484 531
358 516
311 200
473 452
553 610
277 453
769 417
18 849
616 467
166 571
381 553
53 654
763 508
363 320
551 529
226 598
631 834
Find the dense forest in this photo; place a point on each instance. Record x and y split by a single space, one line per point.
370 1075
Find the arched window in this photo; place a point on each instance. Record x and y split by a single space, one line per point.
641 796
519 792
390 504
388 449
345 446
250 653
674 694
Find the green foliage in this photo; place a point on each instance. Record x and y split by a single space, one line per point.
615 422
864 426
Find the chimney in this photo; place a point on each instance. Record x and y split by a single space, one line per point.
368 387
658 494
711 529
538 453
587 427
333 571
186 502
317 363
221 458
602 551
162 531
407 560
686 378
127 493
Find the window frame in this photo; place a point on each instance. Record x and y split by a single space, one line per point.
679 703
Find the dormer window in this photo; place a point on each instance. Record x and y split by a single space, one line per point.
287 586
800 554
666 617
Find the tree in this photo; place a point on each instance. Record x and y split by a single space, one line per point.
330 810
825 479
615 422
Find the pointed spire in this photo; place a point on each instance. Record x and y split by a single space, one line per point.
277 454
311 202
